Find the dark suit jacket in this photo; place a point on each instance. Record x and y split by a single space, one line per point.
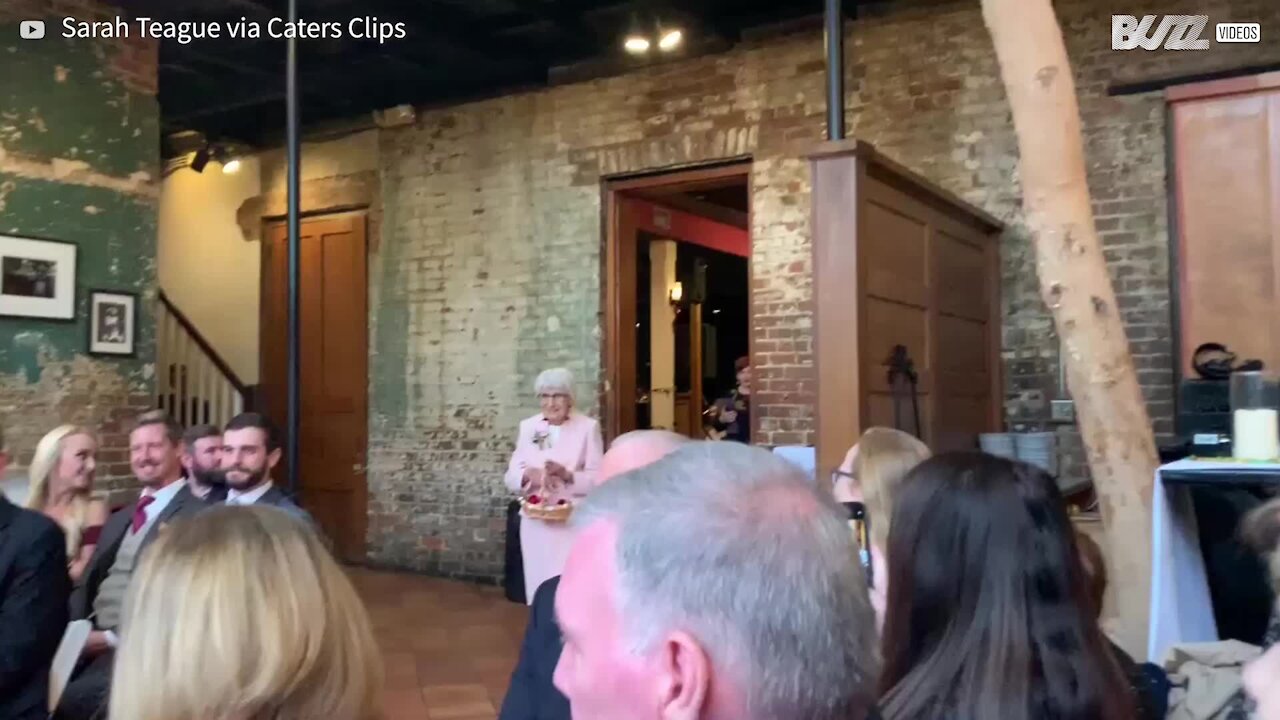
531 696
184 504
275 497
33 609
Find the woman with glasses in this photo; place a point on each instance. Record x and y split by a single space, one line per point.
555 462
866 482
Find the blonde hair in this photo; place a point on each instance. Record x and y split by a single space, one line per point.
240 613
885 456
44 464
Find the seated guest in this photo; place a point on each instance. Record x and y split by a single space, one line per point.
202 463
988 615
870 474
155 444
531 694
557 456
33 607
61 486
1149 683
717 583
270 627
1262 682
1261 529
250 451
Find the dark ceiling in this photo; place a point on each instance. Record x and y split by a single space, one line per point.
453 50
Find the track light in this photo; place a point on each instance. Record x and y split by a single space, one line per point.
231 166
670 40
200 159
636 44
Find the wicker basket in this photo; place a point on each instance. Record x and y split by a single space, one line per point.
546 512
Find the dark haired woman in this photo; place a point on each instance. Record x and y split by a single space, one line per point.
988 617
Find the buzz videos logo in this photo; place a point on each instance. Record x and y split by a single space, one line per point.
1176 32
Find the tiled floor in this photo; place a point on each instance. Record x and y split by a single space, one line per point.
448 647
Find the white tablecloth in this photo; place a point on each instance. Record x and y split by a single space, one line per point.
1181 607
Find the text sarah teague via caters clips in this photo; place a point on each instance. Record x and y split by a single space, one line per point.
361 28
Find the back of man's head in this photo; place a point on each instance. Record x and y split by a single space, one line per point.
732 545
638 448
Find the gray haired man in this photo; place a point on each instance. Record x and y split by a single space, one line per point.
531 694
715 584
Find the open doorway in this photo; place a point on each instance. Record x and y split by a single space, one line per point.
678 301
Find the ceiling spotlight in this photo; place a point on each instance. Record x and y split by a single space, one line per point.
636 44
670 40
231 166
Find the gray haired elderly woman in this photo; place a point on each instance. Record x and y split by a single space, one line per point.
557 457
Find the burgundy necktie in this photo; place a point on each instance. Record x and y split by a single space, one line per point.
140 512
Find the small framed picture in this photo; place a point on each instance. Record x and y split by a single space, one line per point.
37 278
113 322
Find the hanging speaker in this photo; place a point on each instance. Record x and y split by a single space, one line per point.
698 291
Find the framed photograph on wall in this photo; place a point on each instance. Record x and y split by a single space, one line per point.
37 278
113 322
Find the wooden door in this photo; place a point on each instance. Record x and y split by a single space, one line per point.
333 311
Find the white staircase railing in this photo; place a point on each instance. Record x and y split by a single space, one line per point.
193 384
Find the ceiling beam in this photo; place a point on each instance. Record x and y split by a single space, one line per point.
251 99
694 206
227 64
568 19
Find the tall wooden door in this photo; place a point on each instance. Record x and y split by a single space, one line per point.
333 437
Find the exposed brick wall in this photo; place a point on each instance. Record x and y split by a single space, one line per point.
490 273
79 162
491 260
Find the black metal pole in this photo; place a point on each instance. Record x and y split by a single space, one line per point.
835 70
295 250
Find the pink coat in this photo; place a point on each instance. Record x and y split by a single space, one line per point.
578 449
545 545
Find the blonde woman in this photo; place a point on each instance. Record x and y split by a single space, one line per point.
870 474
239 613
61 487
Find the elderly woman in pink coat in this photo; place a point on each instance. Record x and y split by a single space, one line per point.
557 455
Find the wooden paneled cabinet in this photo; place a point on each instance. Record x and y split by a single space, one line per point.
899 261
1226 168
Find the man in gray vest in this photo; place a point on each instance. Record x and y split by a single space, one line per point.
155 450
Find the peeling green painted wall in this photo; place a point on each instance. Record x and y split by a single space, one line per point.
79 162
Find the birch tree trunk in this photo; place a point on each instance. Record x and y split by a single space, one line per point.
1074 283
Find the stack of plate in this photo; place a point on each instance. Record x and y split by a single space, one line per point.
1039 449
998 444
